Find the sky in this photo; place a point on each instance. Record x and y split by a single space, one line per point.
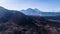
42 5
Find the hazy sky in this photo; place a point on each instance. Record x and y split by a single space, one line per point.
43 5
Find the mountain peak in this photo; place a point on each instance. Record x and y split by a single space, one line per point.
29 9
2 11
36 9
1 7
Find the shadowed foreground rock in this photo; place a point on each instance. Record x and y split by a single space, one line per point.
35 25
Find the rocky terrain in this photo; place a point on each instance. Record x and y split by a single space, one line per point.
32 25
15 22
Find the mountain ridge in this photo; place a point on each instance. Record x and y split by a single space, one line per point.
36 11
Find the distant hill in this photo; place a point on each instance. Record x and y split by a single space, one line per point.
30 11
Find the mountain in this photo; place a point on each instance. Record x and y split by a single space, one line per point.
16 22
14 16
5 14
37 12
2 11
19 18
30 11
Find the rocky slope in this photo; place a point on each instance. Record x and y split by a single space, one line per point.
15 22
